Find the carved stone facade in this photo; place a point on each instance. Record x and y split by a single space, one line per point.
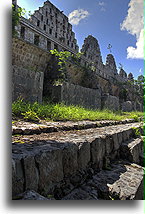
91 51
122 73
110 63
130 76
47 29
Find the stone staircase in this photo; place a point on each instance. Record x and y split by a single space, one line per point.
77 161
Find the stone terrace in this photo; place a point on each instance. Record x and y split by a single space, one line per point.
78 164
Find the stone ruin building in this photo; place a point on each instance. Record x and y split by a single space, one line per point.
47 29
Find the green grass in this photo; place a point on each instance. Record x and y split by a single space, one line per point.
62 112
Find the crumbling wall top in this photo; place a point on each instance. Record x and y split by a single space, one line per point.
122 73
91 50
130 76
110 62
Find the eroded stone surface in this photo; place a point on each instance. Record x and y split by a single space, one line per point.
132 150
124 181
23 127
30 195
51 158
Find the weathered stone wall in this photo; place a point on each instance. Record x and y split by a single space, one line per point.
27 84
28 66
76 95
110 102
29 56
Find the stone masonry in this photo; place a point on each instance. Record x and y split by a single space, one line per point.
86 161
47 29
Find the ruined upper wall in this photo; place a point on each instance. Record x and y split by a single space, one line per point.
111 64
91 50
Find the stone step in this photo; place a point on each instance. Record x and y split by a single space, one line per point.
29 128
51 161
124 181
132 150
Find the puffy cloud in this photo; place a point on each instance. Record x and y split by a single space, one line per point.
137 53
77 15
101 3
133 23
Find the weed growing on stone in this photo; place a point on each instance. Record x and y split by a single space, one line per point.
137 131
63 112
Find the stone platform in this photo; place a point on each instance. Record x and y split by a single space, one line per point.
61 163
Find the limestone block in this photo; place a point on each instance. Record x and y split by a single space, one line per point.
115 142
132 149
83 155
31 173
50 168
129 186
127 106
109 145
98 152
110 102
17 177
120 138
69 160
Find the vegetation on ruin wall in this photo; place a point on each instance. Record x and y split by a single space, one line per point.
63 112
16 15
63 58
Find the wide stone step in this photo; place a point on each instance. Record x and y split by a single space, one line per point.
51 161
132 150
29 128
124 181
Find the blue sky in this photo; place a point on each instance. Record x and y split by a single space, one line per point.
103 19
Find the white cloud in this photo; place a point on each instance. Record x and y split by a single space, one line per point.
77 15
101 3
133 23
137 53
140 70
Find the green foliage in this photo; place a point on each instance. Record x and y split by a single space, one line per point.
63 57
137 131
16 15
63 112
30 116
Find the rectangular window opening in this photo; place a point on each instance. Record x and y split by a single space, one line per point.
36 39
22 32
56 46
38 23
50 31
44 28
48 45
